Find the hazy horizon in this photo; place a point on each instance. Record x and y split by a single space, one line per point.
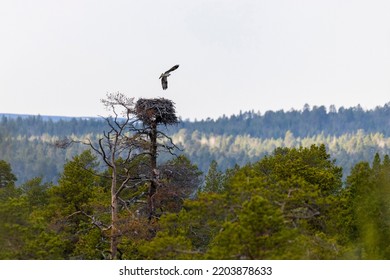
196 119
62 57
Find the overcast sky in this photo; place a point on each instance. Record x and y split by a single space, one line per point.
62 57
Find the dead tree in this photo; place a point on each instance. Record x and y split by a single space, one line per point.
153 112
132 132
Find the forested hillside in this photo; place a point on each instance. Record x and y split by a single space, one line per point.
302 123
349 134
289 205
261 197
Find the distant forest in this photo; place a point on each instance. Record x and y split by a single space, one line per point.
308 121
349 134
302 123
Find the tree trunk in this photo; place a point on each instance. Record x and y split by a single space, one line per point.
153 167
114 216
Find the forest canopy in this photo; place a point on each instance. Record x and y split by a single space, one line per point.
289 205
250 186
350 135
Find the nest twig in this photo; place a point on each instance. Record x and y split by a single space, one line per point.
159 110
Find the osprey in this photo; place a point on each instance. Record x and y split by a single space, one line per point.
164 77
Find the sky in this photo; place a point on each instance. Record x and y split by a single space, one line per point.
62 57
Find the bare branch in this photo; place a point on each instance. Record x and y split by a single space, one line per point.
63 143
131 133
94 221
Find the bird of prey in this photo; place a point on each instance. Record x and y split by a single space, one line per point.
164 77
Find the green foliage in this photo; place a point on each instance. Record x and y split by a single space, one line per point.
168 247
290 204
71 201
70 220
187 234
214 180
23 231
180 171
36 192
13 215
303 184
76 184
40 221
301 123
258 232
277 208
347 149
369 198
7 178
350 135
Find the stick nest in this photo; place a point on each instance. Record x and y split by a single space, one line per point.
159 110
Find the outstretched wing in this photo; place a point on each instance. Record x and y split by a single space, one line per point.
164 82
172 69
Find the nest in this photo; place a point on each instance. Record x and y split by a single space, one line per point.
158 110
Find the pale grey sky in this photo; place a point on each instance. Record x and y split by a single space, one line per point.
62 57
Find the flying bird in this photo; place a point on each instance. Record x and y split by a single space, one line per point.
164 77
